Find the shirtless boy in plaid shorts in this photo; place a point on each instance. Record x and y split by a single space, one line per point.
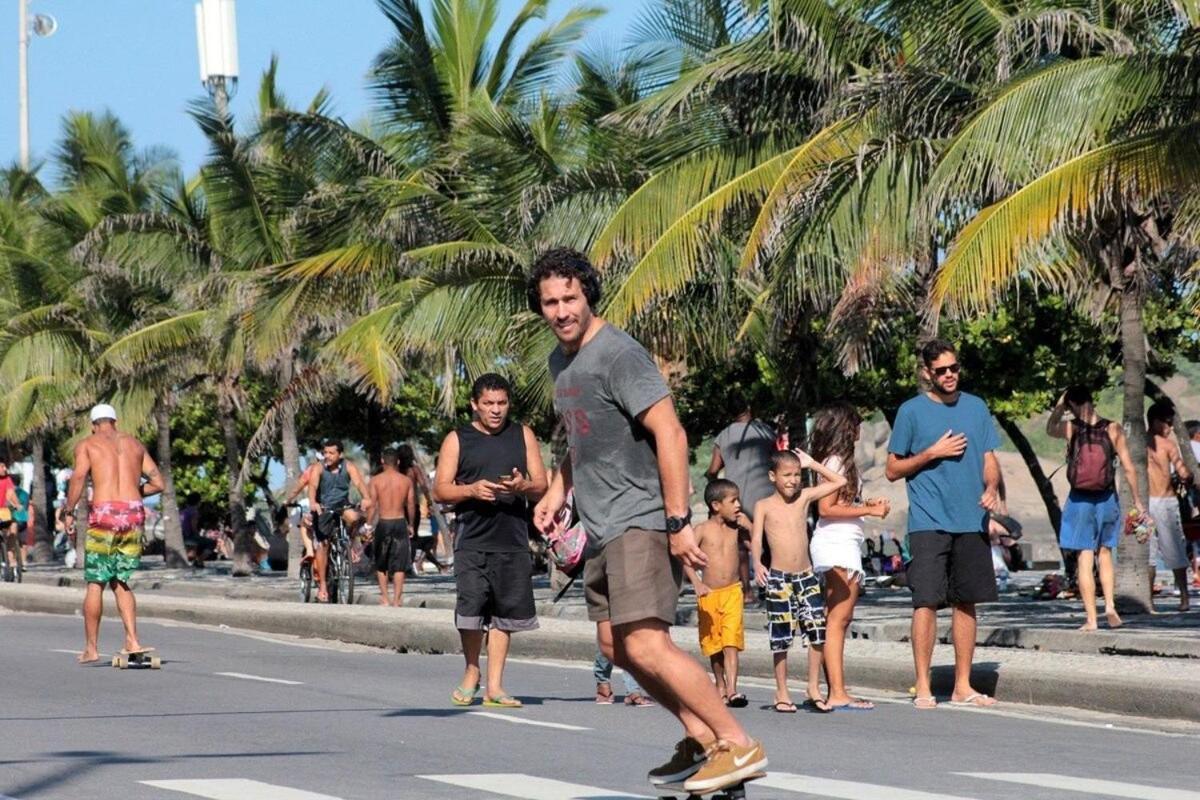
793 591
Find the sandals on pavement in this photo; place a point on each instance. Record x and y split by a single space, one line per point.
855 704
975 700
781 707
638 699
604 694
925 703
816 706
463 697
503 701
737 700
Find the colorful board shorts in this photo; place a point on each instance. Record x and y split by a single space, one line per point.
721 620
794 601
113 550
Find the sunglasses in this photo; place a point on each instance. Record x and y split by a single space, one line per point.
952 369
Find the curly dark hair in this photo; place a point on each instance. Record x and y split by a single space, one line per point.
562 262
835 429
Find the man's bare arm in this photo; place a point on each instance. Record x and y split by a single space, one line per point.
82 468
1117 434
948 446
373 515
1056 426
410 506
1177 462
670 442
357 479
154 479
537 484
756 541
990 499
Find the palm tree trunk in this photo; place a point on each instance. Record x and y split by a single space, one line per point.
1043 483
43 533
237 503
1132 574
291 462
174 549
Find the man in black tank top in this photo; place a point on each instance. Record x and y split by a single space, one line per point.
492 471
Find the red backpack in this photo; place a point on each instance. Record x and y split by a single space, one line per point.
1091 457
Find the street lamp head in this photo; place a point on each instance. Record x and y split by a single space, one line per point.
43 25
216 40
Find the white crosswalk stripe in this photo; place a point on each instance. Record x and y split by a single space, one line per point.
237 789
844 790
529 787
1090 786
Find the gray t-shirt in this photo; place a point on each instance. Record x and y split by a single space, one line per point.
746 449
598 394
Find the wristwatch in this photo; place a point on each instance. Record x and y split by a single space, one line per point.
676 524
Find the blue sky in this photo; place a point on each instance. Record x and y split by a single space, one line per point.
138 59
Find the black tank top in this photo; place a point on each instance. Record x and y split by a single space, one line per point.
502 526
333 487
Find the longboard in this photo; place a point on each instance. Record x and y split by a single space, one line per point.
124 659
735 792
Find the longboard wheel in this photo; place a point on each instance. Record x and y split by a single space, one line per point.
155 662
116 661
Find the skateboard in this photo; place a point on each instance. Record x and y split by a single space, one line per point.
735 792
146 658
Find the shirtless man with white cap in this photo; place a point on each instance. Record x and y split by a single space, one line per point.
116 463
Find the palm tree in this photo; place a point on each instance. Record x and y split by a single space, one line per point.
46 339
1072 174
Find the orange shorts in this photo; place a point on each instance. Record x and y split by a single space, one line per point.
721 623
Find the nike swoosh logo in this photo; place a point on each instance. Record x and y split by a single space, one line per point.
741 762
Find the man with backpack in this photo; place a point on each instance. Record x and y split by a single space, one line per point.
1091 520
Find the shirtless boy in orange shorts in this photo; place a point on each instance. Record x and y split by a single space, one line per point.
719 589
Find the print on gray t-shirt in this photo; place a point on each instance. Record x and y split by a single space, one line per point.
746 449
598 394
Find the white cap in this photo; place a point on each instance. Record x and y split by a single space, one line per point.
103 411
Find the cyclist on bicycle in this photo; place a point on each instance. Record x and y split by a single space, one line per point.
329 497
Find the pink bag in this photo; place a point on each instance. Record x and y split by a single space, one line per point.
566 545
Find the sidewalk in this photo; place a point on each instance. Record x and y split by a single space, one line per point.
1143 686
883 615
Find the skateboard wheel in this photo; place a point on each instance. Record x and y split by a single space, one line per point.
155 662
116 661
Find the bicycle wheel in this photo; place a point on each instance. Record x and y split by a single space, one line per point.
345 582
306 582
331 575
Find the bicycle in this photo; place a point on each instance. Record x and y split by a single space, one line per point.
339 574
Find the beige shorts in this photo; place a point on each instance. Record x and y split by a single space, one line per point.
633 578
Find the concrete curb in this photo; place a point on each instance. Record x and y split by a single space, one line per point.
1061 640
1014 676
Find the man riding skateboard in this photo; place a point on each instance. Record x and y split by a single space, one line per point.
116 463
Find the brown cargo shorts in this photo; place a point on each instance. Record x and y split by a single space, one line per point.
631 578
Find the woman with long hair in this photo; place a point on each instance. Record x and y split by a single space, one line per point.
836 546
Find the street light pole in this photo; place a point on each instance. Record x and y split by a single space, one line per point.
216 41
43 25
23 77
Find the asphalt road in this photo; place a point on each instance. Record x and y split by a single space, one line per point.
239 715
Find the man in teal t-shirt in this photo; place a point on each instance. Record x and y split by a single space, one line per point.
943 443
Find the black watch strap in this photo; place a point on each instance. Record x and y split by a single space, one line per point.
676 524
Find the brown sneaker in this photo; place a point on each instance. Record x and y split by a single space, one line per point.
727 765
689 757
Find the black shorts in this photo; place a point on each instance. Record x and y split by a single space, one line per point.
950 569
494 590
392 551
327 523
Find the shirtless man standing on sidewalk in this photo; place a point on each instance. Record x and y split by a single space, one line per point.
394 519
116 463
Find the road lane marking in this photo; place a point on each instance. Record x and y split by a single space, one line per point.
522 721
1087 785
844 790
245 677
529 787
237 789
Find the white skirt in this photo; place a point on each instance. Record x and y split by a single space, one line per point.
829 550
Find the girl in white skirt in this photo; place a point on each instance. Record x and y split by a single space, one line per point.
837 540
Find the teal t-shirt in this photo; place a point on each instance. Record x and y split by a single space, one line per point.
944 496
